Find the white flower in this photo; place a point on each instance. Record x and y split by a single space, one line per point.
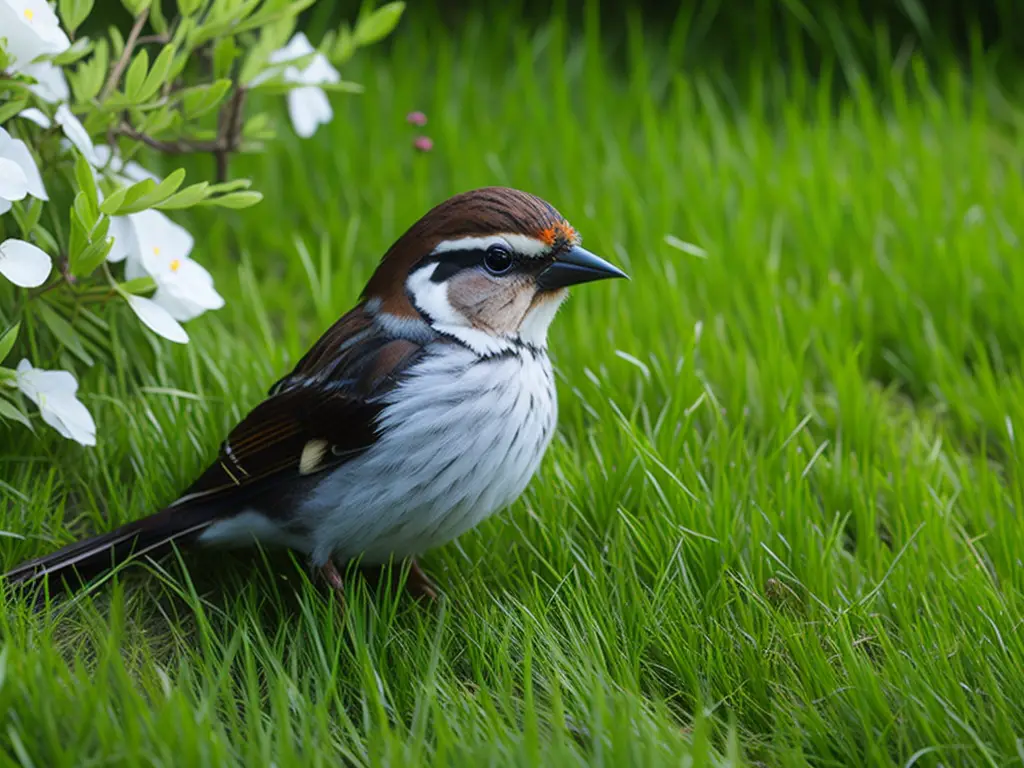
31 29
154 245
19 174
126 245
23 263
36 116
75 132
157 319
308 106
54 393
51 85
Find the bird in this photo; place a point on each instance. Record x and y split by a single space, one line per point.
425 409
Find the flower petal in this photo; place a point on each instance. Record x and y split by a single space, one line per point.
13 182
125 241
161 240
53 392
24 264
157 319
36 116
29 36
17 151
71 418
298 46
52 86
319 71
76 133
308 108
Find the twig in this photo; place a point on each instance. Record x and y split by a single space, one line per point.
126 54
162 39
229 133
169 146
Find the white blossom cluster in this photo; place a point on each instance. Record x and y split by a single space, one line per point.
148 242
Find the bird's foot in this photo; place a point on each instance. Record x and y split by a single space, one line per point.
333 578
419 584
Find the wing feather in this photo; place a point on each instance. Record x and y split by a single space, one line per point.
332 396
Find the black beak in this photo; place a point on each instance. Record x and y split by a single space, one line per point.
575 266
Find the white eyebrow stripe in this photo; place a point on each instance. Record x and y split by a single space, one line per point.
521 244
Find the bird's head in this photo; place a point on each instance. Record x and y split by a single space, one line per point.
490 267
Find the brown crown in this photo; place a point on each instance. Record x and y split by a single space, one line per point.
477 213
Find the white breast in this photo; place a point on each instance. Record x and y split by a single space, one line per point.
461 439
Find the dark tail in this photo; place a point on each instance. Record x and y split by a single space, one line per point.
82 560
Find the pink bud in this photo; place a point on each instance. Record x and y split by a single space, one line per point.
416 118
423 143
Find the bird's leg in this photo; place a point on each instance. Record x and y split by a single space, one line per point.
419 584
330 573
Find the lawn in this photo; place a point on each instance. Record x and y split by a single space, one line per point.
780 523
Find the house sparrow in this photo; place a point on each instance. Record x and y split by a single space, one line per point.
421 412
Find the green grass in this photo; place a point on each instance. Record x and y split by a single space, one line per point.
780 523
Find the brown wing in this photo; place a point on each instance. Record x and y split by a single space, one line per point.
319 416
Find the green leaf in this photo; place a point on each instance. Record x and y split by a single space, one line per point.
46 241
10 412
7 340
235 200
158 194
229 186
224 54
94 255
379 24
99 231
157 19
342 86
63 332
135 7
11 108
255 63
136 76
27 214
259 126
138 285
158 73
116 41
79 49
178 65
188 197
113 201
345 46
79 230
87 215
87 79
74 12
131 195
182 34
87 184
201 99
188 7
272 15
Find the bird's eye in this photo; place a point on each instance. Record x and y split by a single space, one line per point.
498 259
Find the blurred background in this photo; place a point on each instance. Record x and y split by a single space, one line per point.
785 493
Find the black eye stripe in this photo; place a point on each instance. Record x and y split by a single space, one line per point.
451 262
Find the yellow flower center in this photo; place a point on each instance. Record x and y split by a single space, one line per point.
29 14
156 250
175 265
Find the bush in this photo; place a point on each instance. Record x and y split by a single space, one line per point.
75 113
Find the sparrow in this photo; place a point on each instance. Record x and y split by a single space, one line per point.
422 411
